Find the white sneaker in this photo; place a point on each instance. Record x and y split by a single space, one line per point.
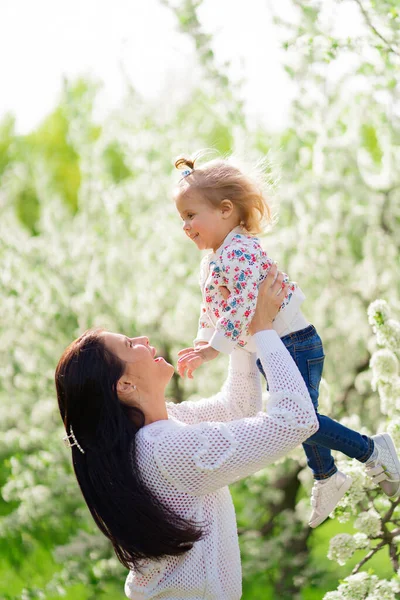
325 495
385 468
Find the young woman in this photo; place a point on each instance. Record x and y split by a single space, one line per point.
154 474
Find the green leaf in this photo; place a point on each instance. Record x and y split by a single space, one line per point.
370 142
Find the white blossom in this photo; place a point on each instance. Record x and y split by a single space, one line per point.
393 428
341 548
369 523
378 313
384 366
361 540
389 334
356 587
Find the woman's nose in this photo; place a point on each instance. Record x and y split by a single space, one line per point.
144 340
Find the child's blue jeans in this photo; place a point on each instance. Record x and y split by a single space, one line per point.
305 347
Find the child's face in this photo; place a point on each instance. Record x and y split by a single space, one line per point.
202 222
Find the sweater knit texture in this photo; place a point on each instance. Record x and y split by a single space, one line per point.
188 461
240 264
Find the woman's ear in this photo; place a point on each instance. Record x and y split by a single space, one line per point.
124 386
226 208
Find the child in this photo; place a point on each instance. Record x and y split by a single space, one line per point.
222 210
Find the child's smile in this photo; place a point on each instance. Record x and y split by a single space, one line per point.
203 223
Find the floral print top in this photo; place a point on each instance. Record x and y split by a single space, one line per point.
240 264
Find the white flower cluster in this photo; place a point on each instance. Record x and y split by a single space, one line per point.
349 505
364 586
389 394
341 548
369 523
378 313
393 429
361 541
387 330
384 362
384 365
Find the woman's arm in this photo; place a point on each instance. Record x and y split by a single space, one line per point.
200 459
240 395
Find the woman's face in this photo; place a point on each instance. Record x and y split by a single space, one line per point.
144 370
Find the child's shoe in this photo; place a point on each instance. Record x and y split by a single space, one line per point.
384 465
325 495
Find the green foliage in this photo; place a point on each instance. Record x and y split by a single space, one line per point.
50 143
6 141
369 140
115 164
27 206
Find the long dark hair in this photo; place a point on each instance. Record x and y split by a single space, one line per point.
135 522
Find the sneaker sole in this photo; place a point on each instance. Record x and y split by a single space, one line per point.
385 438
340 493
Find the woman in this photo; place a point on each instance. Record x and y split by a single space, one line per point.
154 474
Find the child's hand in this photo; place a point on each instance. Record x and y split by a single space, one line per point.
191 359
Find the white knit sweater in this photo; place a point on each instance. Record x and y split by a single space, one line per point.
189 460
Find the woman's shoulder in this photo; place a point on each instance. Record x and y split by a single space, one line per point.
157 429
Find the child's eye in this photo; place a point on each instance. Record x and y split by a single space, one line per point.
190 215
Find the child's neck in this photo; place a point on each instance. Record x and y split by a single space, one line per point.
231 228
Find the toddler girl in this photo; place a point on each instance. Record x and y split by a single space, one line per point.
222 210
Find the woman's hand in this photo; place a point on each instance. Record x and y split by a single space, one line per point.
271 293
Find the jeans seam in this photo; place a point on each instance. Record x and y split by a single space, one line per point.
320 466
326 475
300 336
318 458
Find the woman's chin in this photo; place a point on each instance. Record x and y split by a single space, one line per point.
165 367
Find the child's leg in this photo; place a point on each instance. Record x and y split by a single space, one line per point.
379 453
305 347
330 485
309 357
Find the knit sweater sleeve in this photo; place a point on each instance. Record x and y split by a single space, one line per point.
240 395
200 459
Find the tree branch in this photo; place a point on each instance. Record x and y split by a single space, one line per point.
387 539
394 556
368 556
374 29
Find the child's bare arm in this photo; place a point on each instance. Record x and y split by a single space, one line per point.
191 359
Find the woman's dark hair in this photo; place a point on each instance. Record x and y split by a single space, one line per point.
135 522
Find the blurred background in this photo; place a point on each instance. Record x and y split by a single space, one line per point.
97 99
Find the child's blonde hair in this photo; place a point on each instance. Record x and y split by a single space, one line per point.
219 179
